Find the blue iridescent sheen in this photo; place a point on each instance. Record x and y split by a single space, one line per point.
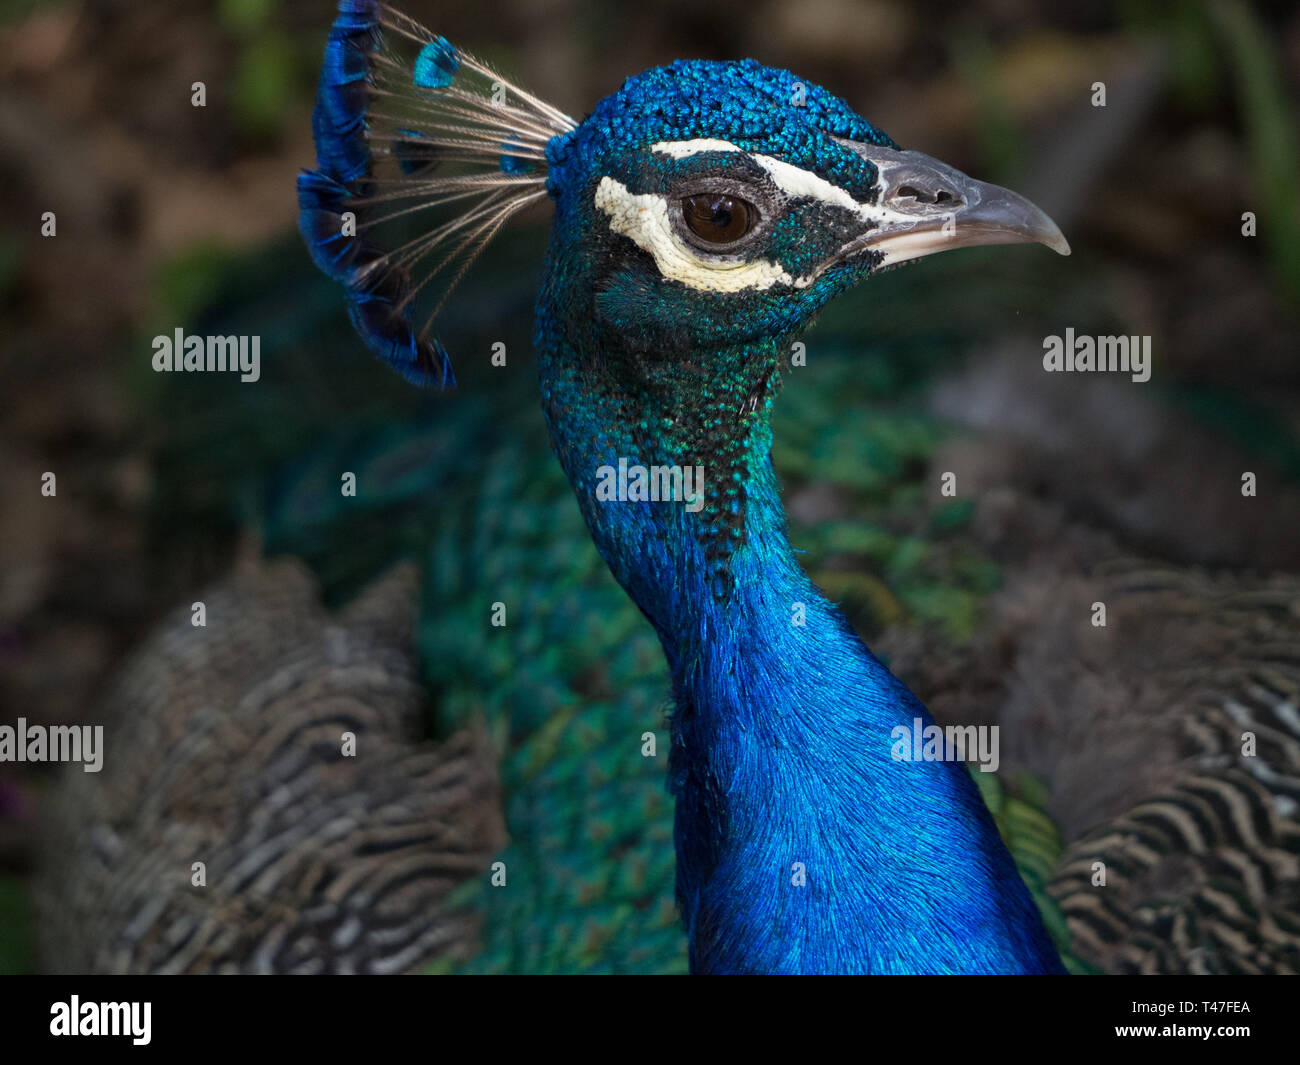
513 164
374 315
757 108
321 204
436 65
339 119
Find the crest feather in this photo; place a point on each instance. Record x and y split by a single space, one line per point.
423 153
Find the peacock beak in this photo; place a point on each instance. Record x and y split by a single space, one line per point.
926 206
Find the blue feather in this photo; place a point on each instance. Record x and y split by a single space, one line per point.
321 202
339 118
436 65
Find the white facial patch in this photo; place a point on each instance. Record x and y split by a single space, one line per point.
643 218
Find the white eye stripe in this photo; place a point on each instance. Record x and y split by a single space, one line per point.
793 181
685 149
790 179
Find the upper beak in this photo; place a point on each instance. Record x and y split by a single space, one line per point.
926 206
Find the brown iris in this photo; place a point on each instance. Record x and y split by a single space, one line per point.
717 218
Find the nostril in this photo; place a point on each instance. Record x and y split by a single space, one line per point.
911 192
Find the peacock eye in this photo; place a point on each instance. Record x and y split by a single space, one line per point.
717 218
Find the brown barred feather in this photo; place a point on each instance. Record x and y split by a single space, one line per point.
226 749
1143 727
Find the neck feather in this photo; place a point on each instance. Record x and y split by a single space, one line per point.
802 844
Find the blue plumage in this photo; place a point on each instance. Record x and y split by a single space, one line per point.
703 214
339 119
436 65
321 202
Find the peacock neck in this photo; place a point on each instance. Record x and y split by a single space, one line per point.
803 844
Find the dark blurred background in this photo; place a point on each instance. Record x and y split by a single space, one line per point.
167 213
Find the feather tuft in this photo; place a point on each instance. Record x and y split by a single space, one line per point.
423 153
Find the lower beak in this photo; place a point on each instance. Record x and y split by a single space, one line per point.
926 206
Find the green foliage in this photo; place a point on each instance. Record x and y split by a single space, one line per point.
180 288
263 90
1185 33
244 17
1272 434
272 72
15 927
191 281
998 136
1225 40
14 10
1198 77
1271 135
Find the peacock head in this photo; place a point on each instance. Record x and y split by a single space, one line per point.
704 204
712 204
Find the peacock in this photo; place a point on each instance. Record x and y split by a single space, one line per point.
704 214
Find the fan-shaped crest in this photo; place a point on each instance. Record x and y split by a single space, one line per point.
423 153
